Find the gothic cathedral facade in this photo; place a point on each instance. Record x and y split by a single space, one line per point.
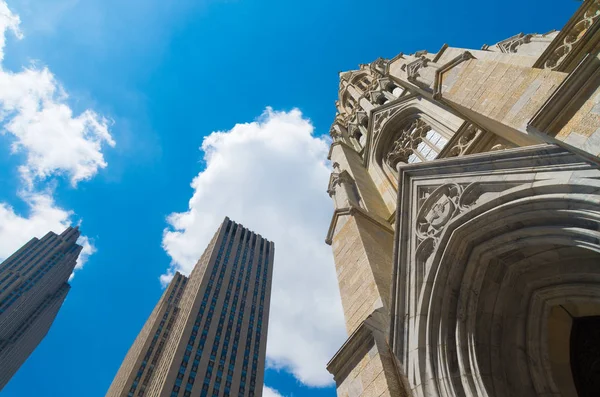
466 229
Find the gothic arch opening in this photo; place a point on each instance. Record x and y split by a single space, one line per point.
409 136
485 317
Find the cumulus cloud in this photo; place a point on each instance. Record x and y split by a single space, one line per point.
8 22
44 216
54 141
271 176
269 392
33 109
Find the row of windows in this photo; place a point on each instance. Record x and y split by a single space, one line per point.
40 255
172 302
213 355
238 329
257 331
32 251
27 258
199 316
29 283
32 318
222 380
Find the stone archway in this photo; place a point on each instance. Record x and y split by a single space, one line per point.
489 260
483 332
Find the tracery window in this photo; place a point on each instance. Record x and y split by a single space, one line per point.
417 142
363 83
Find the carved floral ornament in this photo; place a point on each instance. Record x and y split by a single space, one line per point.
574 36
440 207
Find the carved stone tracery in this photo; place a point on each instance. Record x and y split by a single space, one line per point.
437 209
573 36
410 137
466 139
511 44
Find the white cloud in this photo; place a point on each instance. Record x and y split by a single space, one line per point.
55 142
270 175
8 21
33 109
269 392
44 216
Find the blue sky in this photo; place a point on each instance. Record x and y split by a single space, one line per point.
161 117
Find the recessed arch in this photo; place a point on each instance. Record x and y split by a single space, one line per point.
387 129
472 330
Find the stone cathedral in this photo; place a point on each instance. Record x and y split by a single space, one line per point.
466 229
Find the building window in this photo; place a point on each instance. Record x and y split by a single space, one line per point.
417 142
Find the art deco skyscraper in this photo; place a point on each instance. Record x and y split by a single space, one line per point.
33 286
207 335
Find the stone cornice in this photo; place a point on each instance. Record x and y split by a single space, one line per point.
437 85
336 143
369 333
440 53
566 97
355 211
351 352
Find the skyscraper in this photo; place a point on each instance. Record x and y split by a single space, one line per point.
33 286
207 335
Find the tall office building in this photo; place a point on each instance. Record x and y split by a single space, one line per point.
33 286
207 335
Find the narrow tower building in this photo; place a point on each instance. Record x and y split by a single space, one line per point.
33 286
207 335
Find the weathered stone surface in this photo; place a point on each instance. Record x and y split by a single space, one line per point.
471 212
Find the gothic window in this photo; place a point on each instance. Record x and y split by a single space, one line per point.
362 84
417 142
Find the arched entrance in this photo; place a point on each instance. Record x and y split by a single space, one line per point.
504 299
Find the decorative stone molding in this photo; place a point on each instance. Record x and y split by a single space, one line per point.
412 68
511 44
335 134
385 84
380 116
462 141
581 35
437 85
337 179
351 352
343 190
468 231
377 98
406 143
340 143
362 118
440 53
355 211
437 210
379 67
557 109
499 146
